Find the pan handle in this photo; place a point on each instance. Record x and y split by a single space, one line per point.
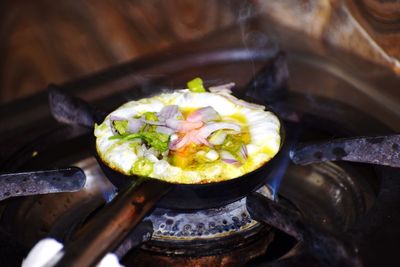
107 229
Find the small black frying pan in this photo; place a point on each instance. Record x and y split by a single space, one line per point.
71 110
139 195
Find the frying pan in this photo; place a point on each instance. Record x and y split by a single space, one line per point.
177 196
139 195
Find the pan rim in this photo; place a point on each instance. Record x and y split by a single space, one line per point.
282 133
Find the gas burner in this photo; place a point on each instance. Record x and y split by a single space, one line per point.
205 232
235 249
172 225
207 224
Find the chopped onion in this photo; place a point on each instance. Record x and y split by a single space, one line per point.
204 141
173 137
151 158
173 143
117 118
230 161
217 138
173 123
228 158
152 154
152 122
243 151
212 155
134 125
164 130
205 114
212 127
224 88
181 142
183 126
188 126
140 150
169 112
198 139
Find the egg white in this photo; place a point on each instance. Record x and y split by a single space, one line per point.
263 126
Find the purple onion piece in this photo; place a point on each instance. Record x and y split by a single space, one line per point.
134 125
179 142
205 142
168 112
226 88
205 114
212 127
153 122
229 158
164 130
218 138
172 144
233 162
117 118
243 151
230 161
174 123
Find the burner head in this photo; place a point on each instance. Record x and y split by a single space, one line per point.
172 225
236 250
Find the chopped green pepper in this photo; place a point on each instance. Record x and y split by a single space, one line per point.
196 85
232 144
150 116
143 167
157 140
120 126
153 139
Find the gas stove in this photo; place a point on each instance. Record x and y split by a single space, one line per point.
324 214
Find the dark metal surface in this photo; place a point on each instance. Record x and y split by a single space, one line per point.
72 110
41 182
270 84
330 248
141 233
381 150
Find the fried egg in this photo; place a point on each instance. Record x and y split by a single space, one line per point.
260 135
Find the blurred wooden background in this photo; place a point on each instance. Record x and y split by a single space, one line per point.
368 28
47 41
